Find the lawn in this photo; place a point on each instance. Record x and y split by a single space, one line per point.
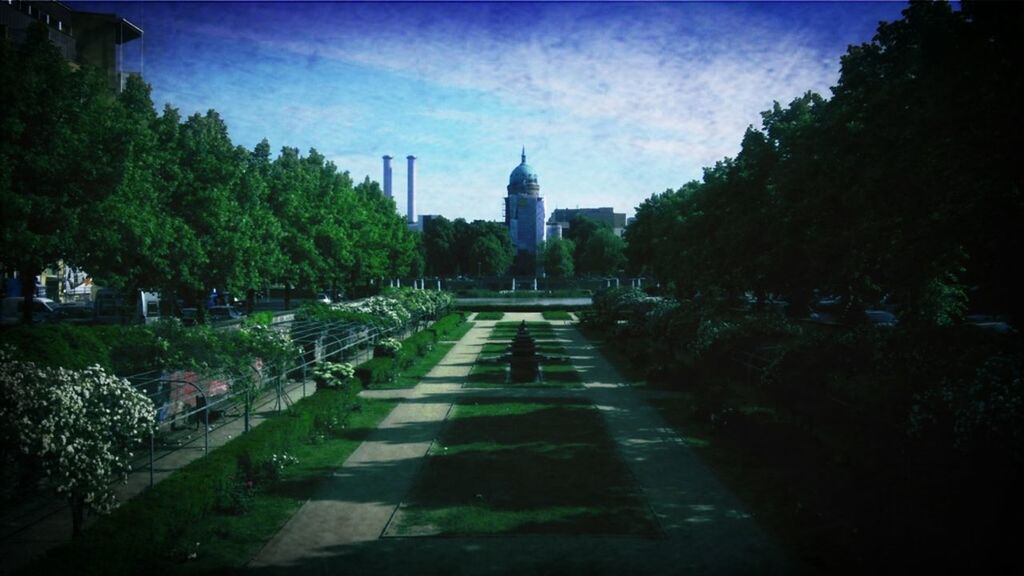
230 540
489 316
412 375
556 315
522 466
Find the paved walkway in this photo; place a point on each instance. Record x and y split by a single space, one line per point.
704 530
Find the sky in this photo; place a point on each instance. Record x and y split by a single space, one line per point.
612 101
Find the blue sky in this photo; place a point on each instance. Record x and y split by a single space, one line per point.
613 101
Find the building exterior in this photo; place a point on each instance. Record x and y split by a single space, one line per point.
83 38
524 210
562 217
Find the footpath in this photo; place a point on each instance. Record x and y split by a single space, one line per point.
344 527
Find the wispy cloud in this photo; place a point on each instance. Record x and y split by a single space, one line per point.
615 101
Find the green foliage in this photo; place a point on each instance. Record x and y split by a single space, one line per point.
489 316
808 203
556 315
265 318
377 371
460 247
127 350
387 348
556 257
333 374
445 327
147 201
150 530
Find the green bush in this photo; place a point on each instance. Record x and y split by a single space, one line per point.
447 325
377 371
264 318
419 344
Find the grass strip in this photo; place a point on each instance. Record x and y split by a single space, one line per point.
514 466
412 375
556 315
489 316
214 514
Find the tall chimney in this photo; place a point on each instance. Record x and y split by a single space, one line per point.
387 176
412 189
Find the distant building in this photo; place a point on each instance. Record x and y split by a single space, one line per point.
524 210
562 217
84 38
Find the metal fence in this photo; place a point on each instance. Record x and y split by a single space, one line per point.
188 401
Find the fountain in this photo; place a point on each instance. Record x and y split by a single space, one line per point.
524 364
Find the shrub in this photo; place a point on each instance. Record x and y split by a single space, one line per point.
418 344
387 348
333 374
377 371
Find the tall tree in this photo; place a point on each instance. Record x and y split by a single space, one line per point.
556 256
61 150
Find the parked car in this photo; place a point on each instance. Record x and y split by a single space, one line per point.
43 310
76 313
323 298
188 316
218 313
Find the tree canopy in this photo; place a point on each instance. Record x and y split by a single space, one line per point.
148 201
901 186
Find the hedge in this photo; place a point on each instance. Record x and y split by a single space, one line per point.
377 371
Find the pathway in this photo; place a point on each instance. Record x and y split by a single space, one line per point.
704 529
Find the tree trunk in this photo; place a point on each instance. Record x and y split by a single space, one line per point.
77 515
28 292
200 307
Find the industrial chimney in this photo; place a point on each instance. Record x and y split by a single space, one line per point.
387 176
412 189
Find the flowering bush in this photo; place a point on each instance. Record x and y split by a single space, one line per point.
387 348
388 309
333 374
80 425
273 347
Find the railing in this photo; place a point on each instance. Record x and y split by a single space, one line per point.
187 399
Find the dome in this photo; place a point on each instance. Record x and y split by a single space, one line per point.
523 174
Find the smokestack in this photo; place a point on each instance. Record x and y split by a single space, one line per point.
412 189
387 176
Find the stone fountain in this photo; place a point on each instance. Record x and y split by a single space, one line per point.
524 363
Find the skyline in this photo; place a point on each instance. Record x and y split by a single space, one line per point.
613 101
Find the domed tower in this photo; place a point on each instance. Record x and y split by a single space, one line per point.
524 212
523 180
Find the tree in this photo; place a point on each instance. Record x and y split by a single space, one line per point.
604 253
60 151
491 249
557 257
79 426
581 229
439 246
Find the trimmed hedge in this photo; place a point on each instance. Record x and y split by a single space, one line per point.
377 371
